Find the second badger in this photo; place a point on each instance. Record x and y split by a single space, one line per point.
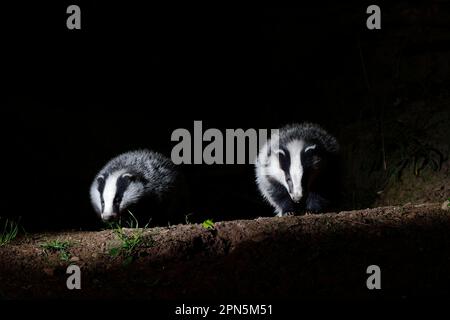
144 182
297 170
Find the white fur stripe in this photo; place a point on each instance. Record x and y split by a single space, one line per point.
109 193
296 169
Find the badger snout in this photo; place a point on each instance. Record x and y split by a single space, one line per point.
296 197
110 217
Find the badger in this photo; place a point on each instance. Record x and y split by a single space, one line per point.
297 170
142 182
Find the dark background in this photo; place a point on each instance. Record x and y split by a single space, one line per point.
72 99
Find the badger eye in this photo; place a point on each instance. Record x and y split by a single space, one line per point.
100 180
316 161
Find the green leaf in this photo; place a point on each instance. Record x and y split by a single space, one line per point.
64 256
114 252
208 224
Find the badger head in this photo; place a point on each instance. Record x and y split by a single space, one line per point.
112 194
295 165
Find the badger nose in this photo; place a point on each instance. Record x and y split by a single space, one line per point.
296 197
109 217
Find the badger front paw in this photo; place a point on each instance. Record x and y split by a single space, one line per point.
315 203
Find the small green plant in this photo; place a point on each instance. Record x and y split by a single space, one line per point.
130 241
61 247
208 224
410 147
418 159
8 231
130 222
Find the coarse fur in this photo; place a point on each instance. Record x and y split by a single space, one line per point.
297 170
144 182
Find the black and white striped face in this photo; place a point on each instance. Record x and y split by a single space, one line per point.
292 164
112 194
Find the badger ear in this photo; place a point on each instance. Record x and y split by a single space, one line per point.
129 176
311 147
100 179
279 152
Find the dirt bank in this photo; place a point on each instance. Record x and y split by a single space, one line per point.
311 256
